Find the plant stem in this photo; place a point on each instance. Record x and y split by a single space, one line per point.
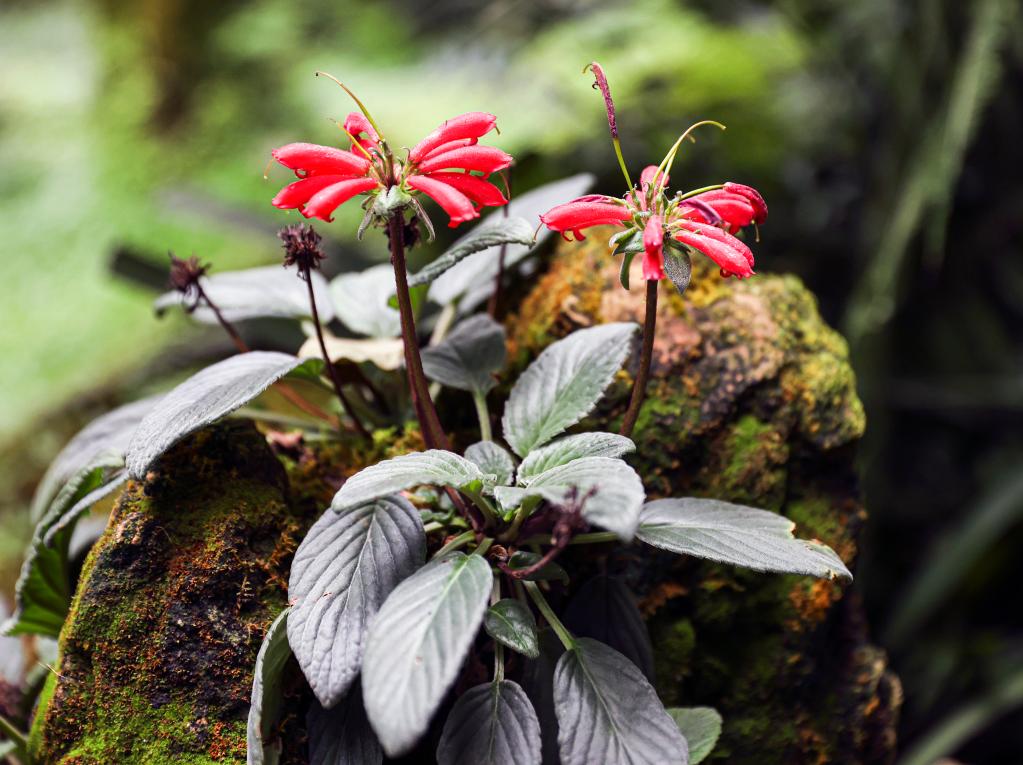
483 413
426 412
331 371
596 537
495 296
16 737
548 613
489 512
645 359
286 391
460 541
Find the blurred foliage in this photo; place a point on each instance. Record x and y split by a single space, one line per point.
884 135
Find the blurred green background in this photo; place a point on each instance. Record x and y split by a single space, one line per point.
885 136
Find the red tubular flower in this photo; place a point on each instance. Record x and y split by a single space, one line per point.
324 202
452 201
330 176
585 212
481 192
485 159
731 254
647 177
471 126
737 205
308 159
653 246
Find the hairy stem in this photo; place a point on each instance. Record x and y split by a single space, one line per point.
331 371
426 412
645 359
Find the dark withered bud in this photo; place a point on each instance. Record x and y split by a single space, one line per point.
184 277
301 247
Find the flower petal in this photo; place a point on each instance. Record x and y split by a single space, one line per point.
733 257
453 202
754 197
583 213
733 209
478 190
471 125
356 124
653 246
324 202
298 193
320 160
485 159
647 176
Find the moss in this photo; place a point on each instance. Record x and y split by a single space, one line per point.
157 653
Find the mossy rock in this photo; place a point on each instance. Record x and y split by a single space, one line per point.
156 656
751 400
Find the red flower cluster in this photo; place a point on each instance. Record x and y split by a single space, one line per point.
440 166
706 221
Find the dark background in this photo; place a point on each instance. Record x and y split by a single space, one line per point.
885 136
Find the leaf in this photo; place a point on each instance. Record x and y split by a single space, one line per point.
570 448
538 682
605 609
609 713
495 231
44 587
343 571
548 572
204 398
491 724
101 441
471 282
387 353
701 727
361 302
743 536
511 623
417 643
679 268
564 384
266 693
492 459
341 735
469 357
610 491
107 486
265 292
435 467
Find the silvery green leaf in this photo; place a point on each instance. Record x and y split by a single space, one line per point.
435 467
43 591
605 609
679 268
610 491
701 727
468 358
204 398
564 384
265 292
569 448
343 571
472 280
361 301
496 231
511 623
492 459
609 713
387 353
538 683
110 483
743 536
491 724
266 694
417 643
104 438
341 735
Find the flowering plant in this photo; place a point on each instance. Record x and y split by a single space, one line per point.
440 559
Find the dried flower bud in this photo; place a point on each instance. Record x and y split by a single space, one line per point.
301 247
184 277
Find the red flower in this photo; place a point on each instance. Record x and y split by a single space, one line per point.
653 246
329 177
735 204
731 254
591 210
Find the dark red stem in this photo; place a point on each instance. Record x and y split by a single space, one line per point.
645 359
